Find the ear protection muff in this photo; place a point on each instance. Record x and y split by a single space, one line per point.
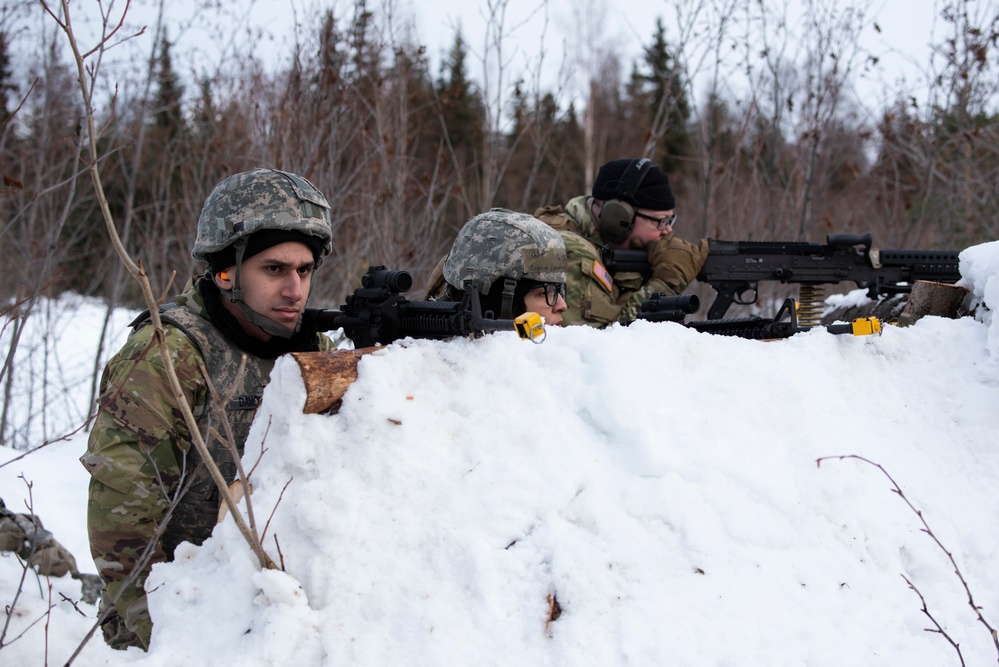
617 216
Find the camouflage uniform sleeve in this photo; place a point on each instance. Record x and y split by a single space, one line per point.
596 298
136 455
436 286
631 300
557 218
326 343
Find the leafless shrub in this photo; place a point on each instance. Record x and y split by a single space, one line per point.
950 557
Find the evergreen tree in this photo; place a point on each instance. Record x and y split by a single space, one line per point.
205 113
462 107
153 219
6 78
330 58
668 108
547 162
167 114
636 117
366 52
520 113
529 145
462 117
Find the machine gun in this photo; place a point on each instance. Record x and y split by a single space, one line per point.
662 308
735 269
378 313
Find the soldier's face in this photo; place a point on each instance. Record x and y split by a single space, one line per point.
535 302
645 230
275 284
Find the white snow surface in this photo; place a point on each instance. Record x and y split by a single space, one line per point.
661 484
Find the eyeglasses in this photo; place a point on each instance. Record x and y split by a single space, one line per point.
661 223
552 292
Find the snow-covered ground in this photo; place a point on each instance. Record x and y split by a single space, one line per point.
662 485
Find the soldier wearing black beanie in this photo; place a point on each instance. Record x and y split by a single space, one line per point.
631 205
653 190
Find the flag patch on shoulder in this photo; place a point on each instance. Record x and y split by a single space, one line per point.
602 275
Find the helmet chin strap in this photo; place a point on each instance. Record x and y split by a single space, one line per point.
506 307
270 326
236 296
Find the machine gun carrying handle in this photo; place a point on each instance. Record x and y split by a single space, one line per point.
851 240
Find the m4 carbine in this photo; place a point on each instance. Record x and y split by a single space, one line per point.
377 313
735 269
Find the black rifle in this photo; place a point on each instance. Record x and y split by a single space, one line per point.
662 308
735 268
378 313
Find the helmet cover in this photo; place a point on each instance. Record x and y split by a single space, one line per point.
249 202
504 244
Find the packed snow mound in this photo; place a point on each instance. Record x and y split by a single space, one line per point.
644 495
980 274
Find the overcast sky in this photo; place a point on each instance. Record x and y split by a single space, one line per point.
900 41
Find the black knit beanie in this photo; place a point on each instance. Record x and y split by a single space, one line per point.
653 192
261 241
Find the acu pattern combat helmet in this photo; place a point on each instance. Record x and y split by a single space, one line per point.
504 244
254 201
246 203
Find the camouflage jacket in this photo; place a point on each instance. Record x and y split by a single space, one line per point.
595 296
141 459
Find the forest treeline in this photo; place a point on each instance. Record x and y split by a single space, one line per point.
406 155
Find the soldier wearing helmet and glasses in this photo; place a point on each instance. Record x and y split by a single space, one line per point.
262 233
514 261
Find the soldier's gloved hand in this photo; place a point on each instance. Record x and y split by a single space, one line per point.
675 261
53 560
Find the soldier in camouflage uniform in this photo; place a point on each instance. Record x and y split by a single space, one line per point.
631 206
24 535
516 263
262 234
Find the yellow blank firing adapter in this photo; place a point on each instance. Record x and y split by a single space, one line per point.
863 326
530 327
